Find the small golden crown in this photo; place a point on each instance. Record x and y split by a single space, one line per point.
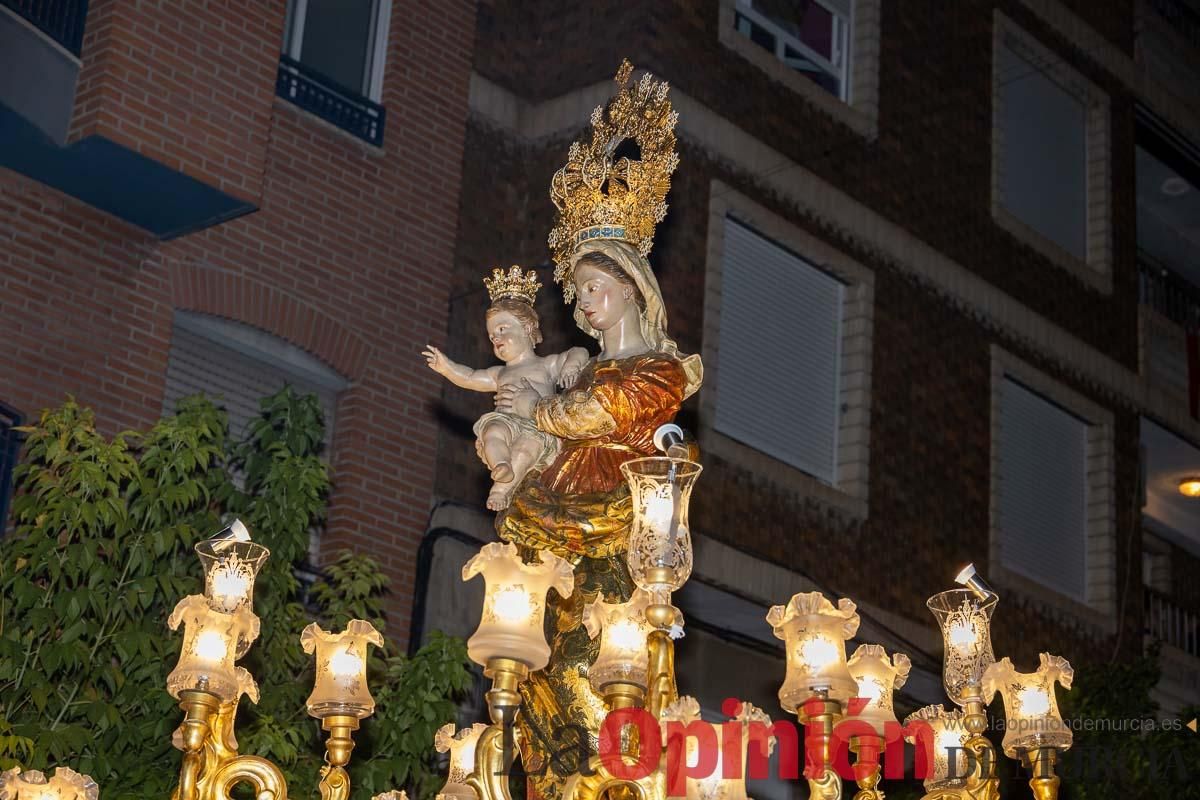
513 284
598 198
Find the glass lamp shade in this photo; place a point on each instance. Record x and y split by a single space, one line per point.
65 784
211 639
660 542
623 631
715 786
877 678
340 687
815 635
945 734
230 567
461 747
1033 719
966 622
514 603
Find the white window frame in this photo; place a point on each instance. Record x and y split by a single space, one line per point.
1095 269
381 15
858 108
838 66
849 492
1100 604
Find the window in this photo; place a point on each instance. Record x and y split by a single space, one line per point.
809 36
1050 155
10 448
827 51
1052 497
237 365
333 62
787 350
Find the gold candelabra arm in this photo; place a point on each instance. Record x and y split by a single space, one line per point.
869 750
661 673
335 783
200 709
820 710
490 778
982 783
263 776
1044 782
598 782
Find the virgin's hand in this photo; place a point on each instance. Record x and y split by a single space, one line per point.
517 399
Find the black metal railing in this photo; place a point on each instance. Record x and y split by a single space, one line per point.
61 20
1168 293
335 104
1181 15
1169 622
10 447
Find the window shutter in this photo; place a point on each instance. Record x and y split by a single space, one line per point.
1043 165
779 354
1042 490
234 380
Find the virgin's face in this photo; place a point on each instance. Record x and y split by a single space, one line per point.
600 297
508 336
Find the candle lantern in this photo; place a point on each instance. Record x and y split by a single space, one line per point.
877 678
1033 720
815 634
623 662
461 747
211 641
943 735
65 784
660 542
231 563
514 606
965 619
340 687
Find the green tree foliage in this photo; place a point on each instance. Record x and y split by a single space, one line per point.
101 550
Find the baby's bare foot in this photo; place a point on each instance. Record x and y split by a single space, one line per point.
502 473
499 497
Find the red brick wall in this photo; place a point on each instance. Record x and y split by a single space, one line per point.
189 84
349 258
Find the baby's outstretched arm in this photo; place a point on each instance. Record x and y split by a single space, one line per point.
569 365
477 380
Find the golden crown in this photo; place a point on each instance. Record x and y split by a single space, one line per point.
513 284
599 198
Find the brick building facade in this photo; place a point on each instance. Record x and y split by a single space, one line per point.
957 298
236 202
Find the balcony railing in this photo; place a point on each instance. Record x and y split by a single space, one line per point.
61 20
1181 15
1171 623
1168 293
335 104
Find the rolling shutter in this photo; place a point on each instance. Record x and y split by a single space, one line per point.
779 354
1042 490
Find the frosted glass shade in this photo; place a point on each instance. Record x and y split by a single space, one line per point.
514 603
1033 719
461 747
966 622
340 685
230 568
211 641
623 631
65 784
815 634
944 734
660 541
878 677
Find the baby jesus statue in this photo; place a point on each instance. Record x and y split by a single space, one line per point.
512 445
